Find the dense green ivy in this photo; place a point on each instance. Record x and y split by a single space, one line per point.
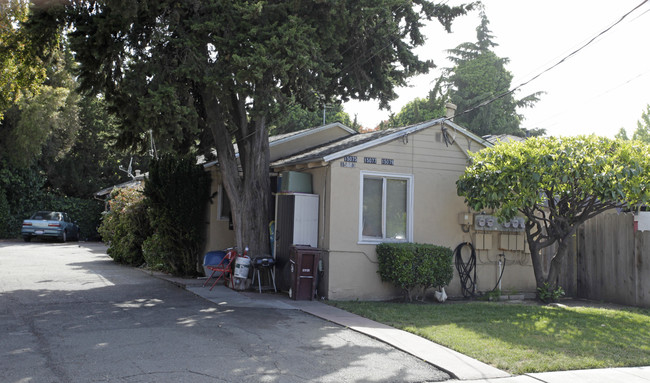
413 266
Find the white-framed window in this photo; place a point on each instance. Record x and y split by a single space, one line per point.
223 209
386 207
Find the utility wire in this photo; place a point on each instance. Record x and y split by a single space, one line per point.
610 90
489 101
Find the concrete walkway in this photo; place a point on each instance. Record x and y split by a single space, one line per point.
461 367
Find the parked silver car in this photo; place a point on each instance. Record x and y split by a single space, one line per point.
50 224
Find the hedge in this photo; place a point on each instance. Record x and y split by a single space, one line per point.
414 267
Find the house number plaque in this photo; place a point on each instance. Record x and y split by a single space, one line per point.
387 161
369 160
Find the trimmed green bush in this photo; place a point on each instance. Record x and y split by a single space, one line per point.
413 266
125 226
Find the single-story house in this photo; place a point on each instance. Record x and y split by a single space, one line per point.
136 181
355 190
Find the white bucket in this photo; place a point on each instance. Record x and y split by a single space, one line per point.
242 267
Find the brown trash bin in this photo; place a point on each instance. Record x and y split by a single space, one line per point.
303 261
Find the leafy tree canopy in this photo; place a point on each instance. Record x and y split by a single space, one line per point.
22 56
208 72
420 109
557 184
43 125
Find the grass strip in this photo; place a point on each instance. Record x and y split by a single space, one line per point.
523 338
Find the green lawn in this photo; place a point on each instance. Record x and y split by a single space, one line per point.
522 338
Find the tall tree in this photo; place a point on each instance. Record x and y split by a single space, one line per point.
92 163
17 72
42 126
198 69
642 132
557 184
421 109
478 76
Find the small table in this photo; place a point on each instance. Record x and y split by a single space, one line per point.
263 263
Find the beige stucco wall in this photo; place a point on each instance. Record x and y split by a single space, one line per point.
218 236
351 267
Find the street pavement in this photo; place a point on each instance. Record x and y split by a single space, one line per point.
68 313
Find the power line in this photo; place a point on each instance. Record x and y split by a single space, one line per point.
489 101
610 90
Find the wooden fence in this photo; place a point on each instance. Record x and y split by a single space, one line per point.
608 261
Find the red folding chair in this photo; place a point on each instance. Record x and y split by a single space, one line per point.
224 268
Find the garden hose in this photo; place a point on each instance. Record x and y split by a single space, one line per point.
466 270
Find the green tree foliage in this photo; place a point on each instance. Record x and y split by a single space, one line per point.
41 127
642 132
22 67
177 192
621 135
479 75
92 163
557 184
420 109
293 117
414 267
20 195
22 192
85 212
125 226
415 111
210 71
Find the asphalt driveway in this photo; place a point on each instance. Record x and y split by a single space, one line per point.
68 313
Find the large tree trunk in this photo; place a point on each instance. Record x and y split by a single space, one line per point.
536 258
255 196
556 263
248 189
549 279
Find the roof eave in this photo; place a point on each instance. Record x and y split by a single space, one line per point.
309 132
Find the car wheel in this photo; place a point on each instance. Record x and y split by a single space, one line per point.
27 238
64 236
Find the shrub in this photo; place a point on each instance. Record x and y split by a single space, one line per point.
413 266
177 192
23 192
86 213
125 226
155 254
548 294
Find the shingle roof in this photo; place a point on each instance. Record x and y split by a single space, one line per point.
322 151
359 141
